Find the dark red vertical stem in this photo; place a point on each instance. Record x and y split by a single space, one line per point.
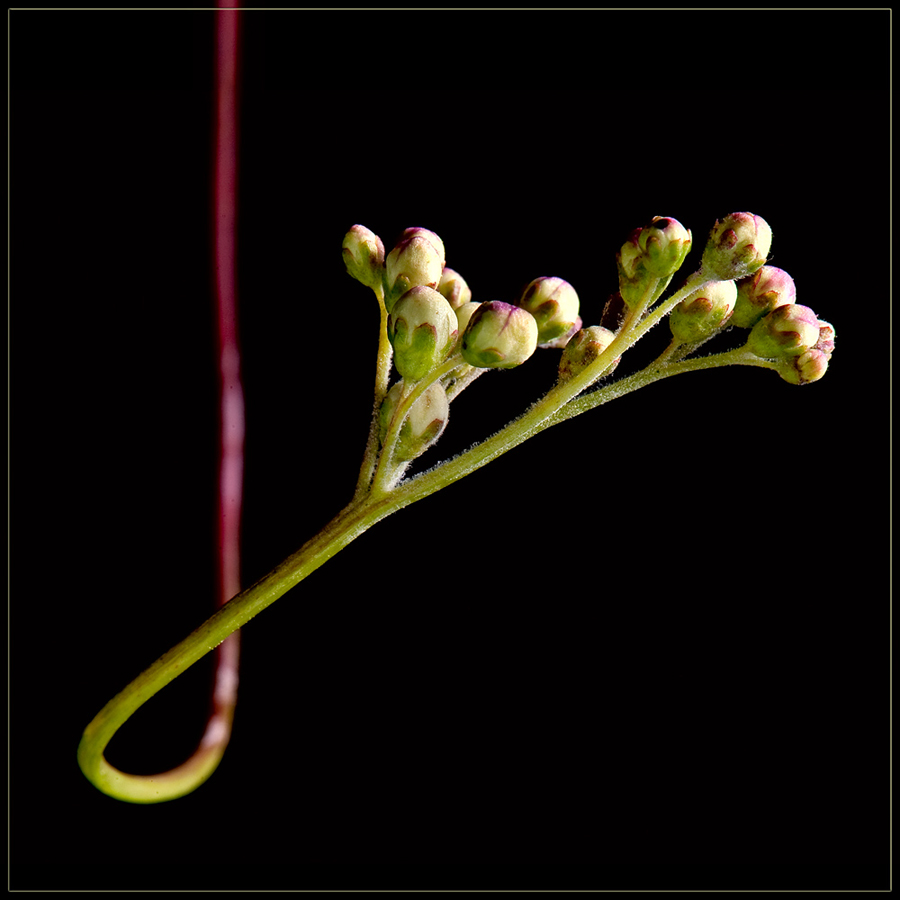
231 394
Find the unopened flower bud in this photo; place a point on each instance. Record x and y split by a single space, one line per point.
760 293
424 424
788 330
701 314
464 313
364 255
499 336
423 328
583 349
737 246
825 343
554 305
805 368
664 244
453 286
418 259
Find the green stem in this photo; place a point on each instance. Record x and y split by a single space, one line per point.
382 378
344 528
387 472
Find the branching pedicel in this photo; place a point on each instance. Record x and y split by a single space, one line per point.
440 341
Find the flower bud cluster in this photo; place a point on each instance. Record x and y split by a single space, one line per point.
798 341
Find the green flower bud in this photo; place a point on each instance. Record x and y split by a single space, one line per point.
737 246
554 305
454 288
418 259
789 330
364 255
423 329
424 424
701 314
499 336
805 368
583 349
651 253
664 244
760 293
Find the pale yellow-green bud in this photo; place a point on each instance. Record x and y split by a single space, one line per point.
422 328
704 312
464 313
499 336
424 424
737 246
760 293
418 259
454 288
788 330
583 349
554 305
664 243
805 368
364 255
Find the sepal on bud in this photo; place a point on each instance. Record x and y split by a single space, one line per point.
737 246
554 305
418 259
760 293
499 336
585 347
363 254
787 331
704 312
424 424
422 329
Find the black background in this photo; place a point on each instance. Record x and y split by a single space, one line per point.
648 648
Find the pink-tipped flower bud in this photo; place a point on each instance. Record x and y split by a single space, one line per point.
364 255
554 305
418 259
825 343
737 246
664 243
651 253
760 293
787 331
424 424
583 349
805 368
422 328
499 336
453 286
704 312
